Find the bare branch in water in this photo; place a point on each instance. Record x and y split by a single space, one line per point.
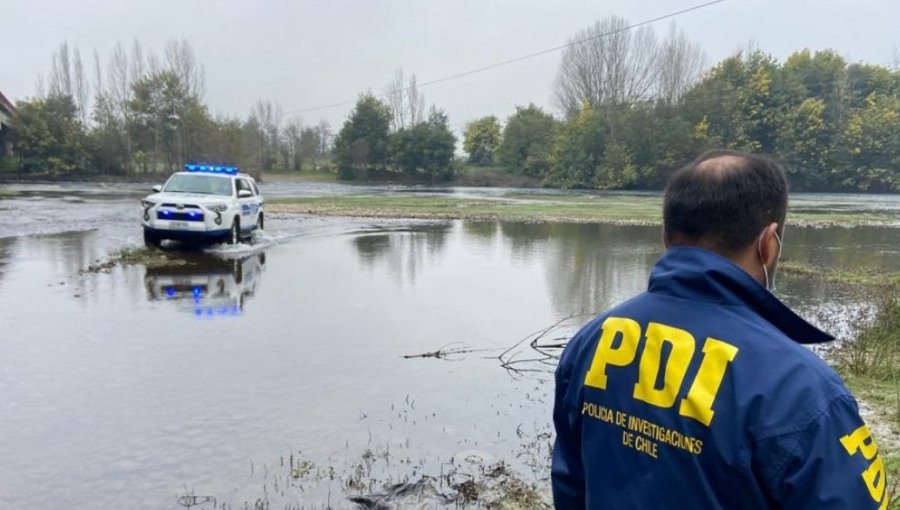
542 353
445 352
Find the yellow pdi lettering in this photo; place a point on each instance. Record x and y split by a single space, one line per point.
860 440
699 400
674 370
630 332
874 476
618 345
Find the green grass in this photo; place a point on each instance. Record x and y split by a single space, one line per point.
616 208
858 276
533 209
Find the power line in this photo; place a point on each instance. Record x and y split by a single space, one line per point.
528 56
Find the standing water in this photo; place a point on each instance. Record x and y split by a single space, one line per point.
287 371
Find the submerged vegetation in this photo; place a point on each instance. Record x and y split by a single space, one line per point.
147 257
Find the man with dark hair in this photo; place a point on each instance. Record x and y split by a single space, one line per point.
698 393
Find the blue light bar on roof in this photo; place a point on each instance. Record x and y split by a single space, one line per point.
211 169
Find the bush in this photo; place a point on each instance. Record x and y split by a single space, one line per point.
876 349
9 164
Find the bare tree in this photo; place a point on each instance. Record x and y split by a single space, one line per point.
607 64
118 92
40 85
98 73
119 79
415 101
680 65
396 100
293 157
137 70
82 88
67 79
325 136
406 101
61 73
181 60
267 116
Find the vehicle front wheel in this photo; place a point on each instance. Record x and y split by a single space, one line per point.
234 235
151 240
260 222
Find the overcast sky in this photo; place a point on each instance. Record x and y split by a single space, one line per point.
305 54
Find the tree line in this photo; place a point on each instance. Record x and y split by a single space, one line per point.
142 113
632 107
635 109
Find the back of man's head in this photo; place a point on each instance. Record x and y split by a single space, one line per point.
723 200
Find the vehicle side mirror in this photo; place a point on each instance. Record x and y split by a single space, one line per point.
244 194
157 188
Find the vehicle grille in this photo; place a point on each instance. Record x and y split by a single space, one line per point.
186 206
186 215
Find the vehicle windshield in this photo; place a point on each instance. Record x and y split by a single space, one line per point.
203 184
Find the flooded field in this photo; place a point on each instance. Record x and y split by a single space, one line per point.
286 372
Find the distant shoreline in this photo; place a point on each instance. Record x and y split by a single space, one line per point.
618 209
486 180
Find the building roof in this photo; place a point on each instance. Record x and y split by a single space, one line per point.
6 105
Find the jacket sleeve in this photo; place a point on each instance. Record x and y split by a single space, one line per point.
566 472
833 463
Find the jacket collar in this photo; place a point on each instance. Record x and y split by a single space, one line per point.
698 274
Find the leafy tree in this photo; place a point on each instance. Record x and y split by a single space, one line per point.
362 143
872 142
803 142
527 142
481 140
657 139
425 150
166 120
578 150
617 169
49 137
107 140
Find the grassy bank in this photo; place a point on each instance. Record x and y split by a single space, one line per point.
858 276
571 209
616 208
870 365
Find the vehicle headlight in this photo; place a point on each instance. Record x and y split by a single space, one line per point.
147 204
217 207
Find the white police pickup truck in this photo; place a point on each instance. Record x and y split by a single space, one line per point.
204 203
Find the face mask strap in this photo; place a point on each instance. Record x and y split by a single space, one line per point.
769 287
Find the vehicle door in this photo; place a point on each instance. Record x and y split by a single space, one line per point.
249 203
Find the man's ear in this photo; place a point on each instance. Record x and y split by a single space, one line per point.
769 246
665 240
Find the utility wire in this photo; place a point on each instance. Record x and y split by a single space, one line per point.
528 56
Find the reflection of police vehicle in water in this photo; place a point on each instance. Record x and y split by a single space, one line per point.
203 203
216 287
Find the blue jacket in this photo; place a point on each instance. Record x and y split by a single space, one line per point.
698 395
